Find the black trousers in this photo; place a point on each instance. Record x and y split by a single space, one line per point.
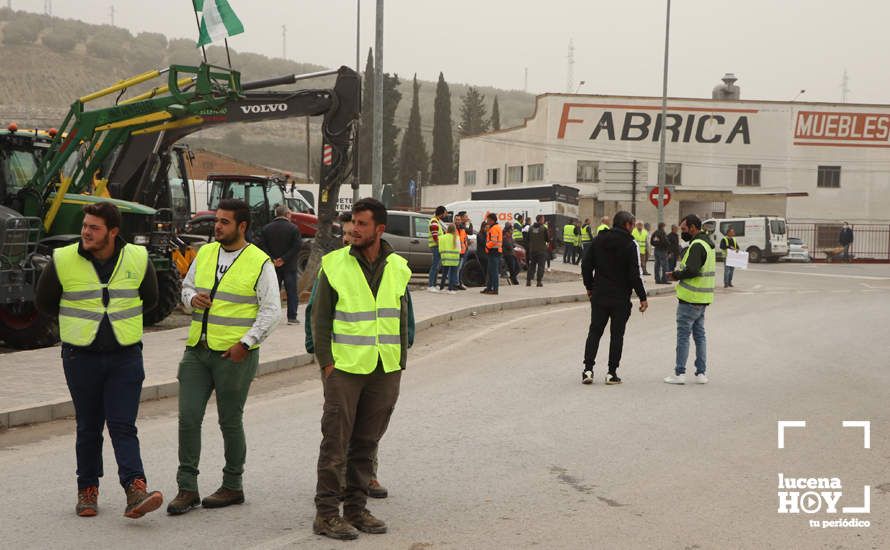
536 261
600 314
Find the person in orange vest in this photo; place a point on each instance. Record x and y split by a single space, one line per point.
463 230
494 247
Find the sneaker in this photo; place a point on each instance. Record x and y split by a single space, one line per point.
462 287
528 283
184 501
432 289
540 283
375 490
140 501
223 497
486 291
366 522
87 501
612 379
700 378
293 322
675 379
587 377
549 270
452 292
334 527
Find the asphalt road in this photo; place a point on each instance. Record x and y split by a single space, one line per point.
496 444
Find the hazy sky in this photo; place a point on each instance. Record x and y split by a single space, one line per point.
776 47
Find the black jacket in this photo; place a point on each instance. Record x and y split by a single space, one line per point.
660 241
611 267
538 238
673 244
281 239
846 236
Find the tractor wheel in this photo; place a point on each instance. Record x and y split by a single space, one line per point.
169 292
23 327
303 259
472 273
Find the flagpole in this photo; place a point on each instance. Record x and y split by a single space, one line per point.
228 57
198 23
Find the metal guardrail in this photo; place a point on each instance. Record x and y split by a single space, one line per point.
871 242
19 237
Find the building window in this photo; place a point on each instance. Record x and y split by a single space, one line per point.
491 176
672 172
829 176
588 171
514 174
748 175
535 172
469 177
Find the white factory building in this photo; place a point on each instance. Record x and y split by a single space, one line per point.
810 162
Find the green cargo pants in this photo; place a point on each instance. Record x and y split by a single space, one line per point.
202 371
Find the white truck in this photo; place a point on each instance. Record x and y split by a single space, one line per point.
506 210
763 237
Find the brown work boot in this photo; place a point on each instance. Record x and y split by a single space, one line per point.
364 521
87 501
223 497
140 501
334 527
375 490
184 501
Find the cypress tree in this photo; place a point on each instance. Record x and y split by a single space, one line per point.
495 115
413 158
442 172
391 98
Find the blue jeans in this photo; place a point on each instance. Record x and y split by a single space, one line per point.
105 389
289 278
728 270
494 270
691 318
661 266
450 272
434 269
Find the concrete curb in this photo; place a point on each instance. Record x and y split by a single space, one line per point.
54 410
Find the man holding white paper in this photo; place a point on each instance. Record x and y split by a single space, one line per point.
726 244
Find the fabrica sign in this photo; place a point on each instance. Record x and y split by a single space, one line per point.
681 124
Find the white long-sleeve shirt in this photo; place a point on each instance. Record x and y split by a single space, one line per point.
267 291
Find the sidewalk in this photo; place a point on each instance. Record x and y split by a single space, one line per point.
34 388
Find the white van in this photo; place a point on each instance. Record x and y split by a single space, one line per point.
763 237
506 210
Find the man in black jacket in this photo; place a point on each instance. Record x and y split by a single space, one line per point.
611 269
659 242
282 242
537 239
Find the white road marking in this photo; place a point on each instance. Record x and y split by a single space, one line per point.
830 275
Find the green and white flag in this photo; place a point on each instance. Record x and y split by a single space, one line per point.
218 21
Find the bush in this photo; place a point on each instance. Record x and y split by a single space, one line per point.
15 34
145 57
152 39
104 50
61 39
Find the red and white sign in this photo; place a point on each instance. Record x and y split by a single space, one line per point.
835 129
653 196
327 155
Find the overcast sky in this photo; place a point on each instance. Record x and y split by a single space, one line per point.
775 47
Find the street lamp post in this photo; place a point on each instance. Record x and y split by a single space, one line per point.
355 152
664 91
377 159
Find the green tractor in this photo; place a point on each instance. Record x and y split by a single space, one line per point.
47 177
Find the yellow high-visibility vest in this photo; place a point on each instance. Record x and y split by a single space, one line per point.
699 290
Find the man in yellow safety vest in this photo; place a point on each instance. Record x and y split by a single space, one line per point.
695 290
236 303
360 332
99 288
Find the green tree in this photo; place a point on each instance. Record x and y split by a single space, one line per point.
366 128
414 159
391 98
495 115
442 171
472 114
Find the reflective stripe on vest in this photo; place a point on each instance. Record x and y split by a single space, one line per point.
700 289
641 237
517 233
586 237
366 327
449 250
81 308
430 240
495 238
462 233
235 304
730 243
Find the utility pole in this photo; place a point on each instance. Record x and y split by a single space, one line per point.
633 186
845 87
356 127
570 70
284 41
308 154
525 85
377 159
48 7
111 11
664 91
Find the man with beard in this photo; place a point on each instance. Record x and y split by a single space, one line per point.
99 288
360 331
234 291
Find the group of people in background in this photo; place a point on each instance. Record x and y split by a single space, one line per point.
495 247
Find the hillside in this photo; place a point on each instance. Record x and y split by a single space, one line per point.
47 62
